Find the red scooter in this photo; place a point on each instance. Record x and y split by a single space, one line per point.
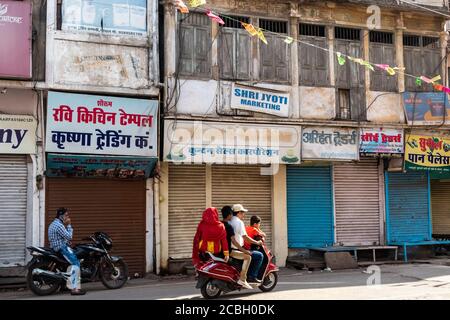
216 277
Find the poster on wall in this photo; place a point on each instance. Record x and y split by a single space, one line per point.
319 143
230 143
428 108
116 17
89 124
15 37
82 166
427 153
17 134
381 141
262 100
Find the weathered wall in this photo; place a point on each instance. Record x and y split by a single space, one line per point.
385 107
92 64
19 102
317 103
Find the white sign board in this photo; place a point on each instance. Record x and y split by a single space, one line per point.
17 134
263 100
330 143
389 141
230 143
89 124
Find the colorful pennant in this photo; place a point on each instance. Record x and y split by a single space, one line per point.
289 40
180 5
196 3
433 80
250 28
390 71
215 17
341 58
418 82
261 36
438 87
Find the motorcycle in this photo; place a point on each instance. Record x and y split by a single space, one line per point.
47 269
215 276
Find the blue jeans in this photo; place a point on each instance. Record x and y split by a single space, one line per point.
74 269
255 265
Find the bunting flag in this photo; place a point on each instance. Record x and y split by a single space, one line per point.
341 59
250 28
196 3
390 71
433 80
446 90
418 82
261 36
215 17
368 65
438 87
181 6
289 40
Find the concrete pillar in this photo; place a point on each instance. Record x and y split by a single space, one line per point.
399 52
279 218
149 213
443 55
162 221
295 104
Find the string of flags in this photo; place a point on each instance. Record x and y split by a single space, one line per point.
341 58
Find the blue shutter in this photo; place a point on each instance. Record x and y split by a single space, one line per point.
310 207
408 207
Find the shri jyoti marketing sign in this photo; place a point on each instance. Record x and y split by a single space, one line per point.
15 39
230 143
79 123
260 100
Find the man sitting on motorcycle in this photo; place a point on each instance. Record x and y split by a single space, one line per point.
60 234
239 252
211 236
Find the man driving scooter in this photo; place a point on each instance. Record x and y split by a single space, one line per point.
239 252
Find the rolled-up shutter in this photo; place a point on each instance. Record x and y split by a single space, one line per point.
13 210
244 185
112 206
408 214
356 190
440 205
187 201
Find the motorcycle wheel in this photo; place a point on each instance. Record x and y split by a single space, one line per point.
269 282
210 291
37 285
114 278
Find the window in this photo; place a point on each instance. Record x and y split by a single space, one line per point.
234 50
119 17
422 57
344 109
313 62
350 76
194 45
382 51
275 56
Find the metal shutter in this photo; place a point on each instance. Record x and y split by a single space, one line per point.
245 185
356 191
440 205
408 207
187 201
112 206
309 207
13 210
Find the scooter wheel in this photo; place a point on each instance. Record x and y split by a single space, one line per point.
269 282
210 291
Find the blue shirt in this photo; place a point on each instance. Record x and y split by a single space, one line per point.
58 235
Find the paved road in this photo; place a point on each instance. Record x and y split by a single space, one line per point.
415 281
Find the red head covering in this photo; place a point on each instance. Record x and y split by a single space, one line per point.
210 229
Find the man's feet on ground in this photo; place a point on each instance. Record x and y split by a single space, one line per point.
78 292
244 284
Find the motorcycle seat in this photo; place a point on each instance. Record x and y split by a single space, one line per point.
214 258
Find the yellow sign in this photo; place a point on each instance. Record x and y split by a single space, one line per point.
427 153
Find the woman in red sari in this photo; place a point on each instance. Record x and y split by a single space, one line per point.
211 236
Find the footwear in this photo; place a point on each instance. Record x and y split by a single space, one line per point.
253 280
244 284
78 292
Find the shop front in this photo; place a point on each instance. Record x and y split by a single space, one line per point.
17 145
217 164
101 154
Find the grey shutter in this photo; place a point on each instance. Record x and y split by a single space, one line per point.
275 59
313 62
342 72
379 79
413 65
357 103
357 78
186 50
243 54
432 64
202 65
306 63
321 63
226 53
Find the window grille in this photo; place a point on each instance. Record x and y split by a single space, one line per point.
273 26
347 34
381 37
312 30
232 23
